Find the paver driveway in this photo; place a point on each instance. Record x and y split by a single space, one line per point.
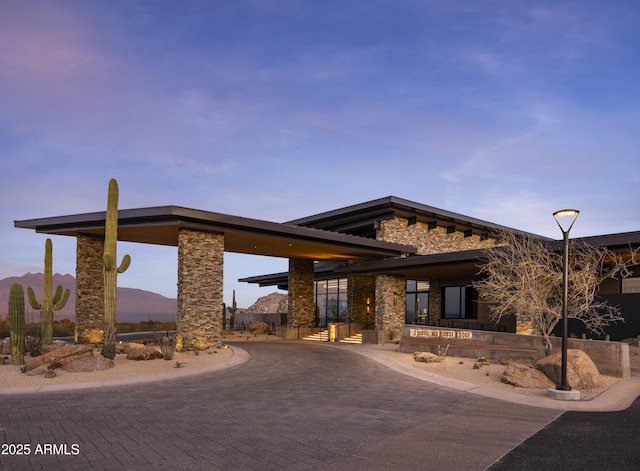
294 406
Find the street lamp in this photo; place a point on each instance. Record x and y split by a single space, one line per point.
568 217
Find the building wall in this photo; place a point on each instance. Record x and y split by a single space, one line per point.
429 241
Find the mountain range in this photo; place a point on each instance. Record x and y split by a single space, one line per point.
134 305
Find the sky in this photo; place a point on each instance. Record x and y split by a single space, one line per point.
502 110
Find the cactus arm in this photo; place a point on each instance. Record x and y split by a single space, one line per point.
32 299
126 261
57 296
59 304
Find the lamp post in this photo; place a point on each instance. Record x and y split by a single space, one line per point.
569 216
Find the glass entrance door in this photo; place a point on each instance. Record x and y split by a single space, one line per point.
422 308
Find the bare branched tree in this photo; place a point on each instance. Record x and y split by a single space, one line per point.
524 278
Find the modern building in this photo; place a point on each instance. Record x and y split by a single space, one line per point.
374 266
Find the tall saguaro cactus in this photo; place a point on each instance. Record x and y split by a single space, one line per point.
50 302
232 311
111 271
16 323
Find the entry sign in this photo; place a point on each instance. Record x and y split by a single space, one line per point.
434 333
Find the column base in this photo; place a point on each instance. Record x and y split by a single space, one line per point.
571 395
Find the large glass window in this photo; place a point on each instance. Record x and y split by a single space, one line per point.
417 302
460 302
331 301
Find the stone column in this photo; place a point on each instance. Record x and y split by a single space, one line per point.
301 302
391 294
435 302
200 282
361 299
89 289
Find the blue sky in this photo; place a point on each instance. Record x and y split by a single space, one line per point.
501 110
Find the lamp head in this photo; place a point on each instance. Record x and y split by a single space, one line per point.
568 216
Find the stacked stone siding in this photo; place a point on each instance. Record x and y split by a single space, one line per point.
429 241
301 302
361 289
200 283
391 293
89 289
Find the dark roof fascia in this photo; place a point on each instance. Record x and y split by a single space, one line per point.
95 220
320 270
392 264
393 203
615 242
192 217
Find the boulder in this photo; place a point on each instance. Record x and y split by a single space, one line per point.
259 328
126 347
62 356
525 376
89 364
427 357
143 353
40 370
5 347
582 373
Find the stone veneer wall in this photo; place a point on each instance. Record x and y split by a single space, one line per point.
391 294
361 288
429 241
200 283
301 300
432 241
89 289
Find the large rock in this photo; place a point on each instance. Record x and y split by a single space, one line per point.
61 356
582 373
259 328
427 357
525 376
143 353
126 347
89 364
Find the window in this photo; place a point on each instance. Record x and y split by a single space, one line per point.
331 301
631 284
460 302
417 302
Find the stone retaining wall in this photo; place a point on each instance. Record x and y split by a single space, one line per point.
611 358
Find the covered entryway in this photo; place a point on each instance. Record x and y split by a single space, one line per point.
202 237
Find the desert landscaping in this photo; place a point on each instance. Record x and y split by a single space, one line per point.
153 367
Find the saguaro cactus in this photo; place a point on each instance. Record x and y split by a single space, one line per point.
111 271
16 323
50 302
224 316
232 311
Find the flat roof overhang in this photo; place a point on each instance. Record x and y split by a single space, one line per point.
160 226
452 265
